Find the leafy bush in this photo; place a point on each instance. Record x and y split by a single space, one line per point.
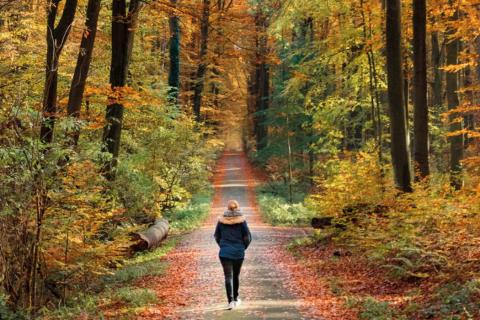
191 215
349 182
278 211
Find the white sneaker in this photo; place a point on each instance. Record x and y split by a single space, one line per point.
231 305
238 302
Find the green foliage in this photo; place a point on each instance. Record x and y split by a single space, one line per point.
135 297
6 313
190 216
278 211
372 309
79 306
141 265
115 286
172 163
411 262
456 301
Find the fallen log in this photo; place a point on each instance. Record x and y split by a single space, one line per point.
152 237
324 222
321 222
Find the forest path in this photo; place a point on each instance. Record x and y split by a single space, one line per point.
195 274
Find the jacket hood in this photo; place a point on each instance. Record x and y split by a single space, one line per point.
231 219
232 213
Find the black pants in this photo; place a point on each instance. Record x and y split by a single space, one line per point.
231 270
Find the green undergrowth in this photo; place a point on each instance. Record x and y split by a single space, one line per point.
372 309
276 208
190 216
117 288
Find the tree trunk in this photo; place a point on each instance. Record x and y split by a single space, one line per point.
202 67
77 87
437 99
456 141
262 82
398 126
174 71
56 38
123 29
420 115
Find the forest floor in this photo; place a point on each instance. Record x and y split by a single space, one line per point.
274 284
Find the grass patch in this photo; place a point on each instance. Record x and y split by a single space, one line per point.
135 297
143 264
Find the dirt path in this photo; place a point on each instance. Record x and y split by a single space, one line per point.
193 287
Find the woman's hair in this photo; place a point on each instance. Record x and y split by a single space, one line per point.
232 205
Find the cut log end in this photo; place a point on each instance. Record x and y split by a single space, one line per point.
152 237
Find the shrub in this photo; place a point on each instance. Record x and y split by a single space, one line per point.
372 309
456 301
278 211
191 215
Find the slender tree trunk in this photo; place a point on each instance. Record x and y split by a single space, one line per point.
174 71
262 81
202 67
398 126
123 29
56 38
437 99
262 106
77 88
456 141
420 116
290 160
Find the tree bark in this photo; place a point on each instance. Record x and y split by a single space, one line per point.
174 71
56 38
437 98
202 67
123 30
262 81
420 113
152 237
456 123
77 87
398 126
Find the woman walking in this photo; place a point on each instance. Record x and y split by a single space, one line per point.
233 237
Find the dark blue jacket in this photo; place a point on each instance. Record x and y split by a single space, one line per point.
233 237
